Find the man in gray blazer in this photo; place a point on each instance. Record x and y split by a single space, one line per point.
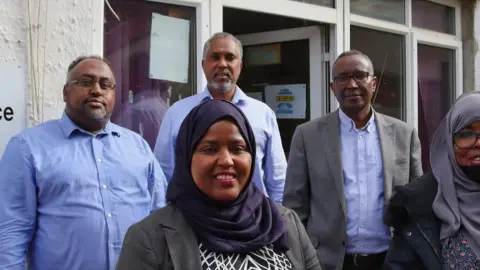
343 167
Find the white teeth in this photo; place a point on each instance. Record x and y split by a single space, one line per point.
477 158
224 176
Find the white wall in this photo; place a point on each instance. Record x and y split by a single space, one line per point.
477 38
64 30
13 68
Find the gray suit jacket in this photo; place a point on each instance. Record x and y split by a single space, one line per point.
164 240
314 184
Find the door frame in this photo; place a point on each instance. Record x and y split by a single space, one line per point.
314 34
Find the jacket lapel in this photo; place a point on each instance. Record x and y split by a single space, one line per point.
295 251
386 134
330 134
182 243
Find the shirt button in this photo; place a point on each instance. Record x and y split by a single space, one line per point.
104 186
109 215
99 160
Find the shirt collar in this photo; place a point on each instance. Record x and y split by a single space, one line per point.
238 97
68 127
348 123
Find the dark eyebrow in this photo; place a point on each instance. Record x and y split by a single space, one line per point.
208 142
211 142
92 76
238 141
89 75
222 53
354 72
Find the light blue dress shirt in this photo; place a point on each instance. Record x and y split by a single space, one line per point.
364 187
67 197
270 165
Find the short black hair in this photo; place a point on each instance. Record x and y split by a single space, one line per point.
354 52
79 59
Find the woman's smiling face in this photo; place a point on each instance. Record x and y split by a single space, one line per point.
221 162
468 154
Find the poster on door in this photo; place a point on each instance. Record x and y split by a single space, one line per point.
288 101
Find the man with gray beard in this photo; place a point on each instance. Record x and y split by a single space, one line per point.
222 63
71 187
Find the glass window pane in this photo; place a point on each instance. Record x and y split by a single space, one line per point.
388 10
326 3
387 52
436 91
433 16
141 101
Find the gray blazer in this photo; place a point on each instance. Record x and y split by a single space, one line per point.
314 184
164 240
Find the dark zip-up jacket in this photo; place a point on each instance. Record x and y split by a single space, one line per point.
416 229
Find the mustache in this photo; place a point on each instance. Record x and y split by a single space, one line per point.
92 99
351 93
222 73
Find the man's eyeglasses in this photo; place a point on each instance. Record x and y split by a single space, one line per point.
465 139
359 77
103 83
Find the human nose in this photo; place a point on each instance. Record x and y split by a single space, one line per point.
222 62
96 89
477 141
225 158
351 82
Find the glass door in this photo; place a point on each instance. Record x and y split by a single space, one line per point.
284 69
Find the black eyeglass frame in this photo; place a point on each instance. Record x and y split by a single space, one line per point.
347 77
91 82
473 134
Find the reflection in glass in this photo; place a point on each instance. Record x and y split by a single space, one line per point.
387 52
293 68
326 3
141 101
436 91
433 16
388 10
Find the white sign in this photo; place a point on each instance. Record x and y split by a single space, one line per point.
169 48
288 101
12 103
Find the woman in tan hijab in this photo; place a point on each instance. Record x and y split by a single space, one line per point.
436 218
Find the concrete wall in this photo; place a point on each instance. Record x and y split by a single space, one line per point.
470 37
13 69
43 46
475 47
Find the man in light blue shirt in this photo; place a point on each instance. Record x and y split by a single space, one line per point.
70 188
222 63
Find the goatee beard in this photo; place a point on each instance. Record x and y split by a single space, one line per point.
221 88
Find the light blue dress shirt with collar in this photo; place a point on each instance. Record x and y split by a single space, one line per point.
270 165
67 197
364 187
